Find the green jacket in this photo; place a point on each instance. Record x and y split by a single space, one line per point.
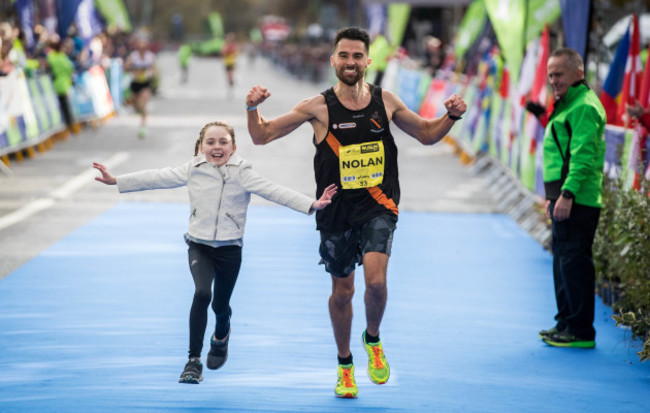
580 119
62 69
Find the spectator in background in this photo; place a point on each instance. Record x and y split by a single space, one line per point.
6 44
177 28
637 111
41 39
229 53
62 69
433 53
79 59
574 155
184 54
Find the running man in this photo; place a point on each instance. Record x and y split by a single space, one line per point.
230 53
141 63
355 148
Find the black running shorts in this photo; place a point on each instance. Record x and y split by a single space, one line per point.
136 87
342 251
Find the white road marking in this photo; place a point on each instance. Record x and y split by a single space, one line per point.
60 193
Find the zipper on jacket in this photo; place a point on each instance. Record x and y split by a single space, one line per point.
216 224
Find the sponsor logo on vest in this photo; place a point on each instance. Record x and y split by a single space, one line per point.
349 125
370 147
376 123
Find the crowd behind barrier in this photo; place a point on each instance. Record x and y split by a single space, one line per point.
33 89
30 113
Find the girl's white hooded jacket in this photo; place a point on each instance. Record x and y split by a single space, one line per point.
219 197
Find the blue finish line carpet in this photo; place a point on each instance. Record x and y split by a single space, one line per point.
98 322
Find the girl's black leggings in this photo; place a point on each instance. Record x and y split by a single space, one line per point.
209 264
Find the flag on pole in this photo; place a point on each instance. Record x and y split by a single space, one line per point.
509 20
539 90
575 21
633 76
115 14
25 12
539 93
88 25
639 143
610 94
644 98
65 14
470 27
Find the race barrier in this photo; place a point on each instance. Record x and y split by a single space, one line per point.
30 113
91 97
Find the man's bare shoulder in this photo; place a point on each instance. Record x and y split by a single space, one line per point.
392 102
314 108
311 103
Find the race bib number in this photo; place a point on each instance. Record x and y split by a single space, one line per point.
362 165
140 75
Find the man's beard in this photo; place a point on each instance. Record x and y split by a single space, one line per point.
349 81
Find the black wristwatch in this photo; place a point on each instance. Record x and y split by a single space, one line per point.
452 117
568 194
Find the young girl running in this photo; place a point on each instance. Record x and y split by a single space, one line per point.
219 185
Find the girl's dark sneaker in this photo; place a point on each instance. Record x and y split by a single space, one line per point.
193 372
218 353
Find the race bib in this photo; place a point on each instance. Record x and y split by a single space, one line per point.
361 165
141 75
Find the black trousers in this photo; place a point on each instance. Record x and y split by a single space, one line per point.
212 269
574 275
64 102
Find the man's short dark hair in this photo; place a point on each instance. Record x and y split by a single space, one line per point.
573 58
352 33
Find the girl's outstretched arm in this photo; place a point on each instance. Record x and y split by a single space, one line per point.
107 177
325 199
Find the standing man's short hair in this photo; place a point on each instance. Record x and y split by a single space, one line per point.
573 58
352 33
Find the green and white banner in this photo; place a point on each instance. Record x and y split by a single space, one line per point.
398 17
115 14
511 17
470 27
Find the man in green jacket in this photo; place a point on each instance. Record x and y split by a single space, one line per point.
574 155
62 69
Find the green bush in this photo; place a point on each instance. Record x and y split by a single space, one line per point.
622 258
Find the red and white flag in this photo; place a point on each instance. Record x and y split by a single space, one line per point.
539 92
633 77
638 147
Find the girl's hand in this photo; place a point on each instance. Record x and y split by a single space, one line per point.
106 178
325 199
